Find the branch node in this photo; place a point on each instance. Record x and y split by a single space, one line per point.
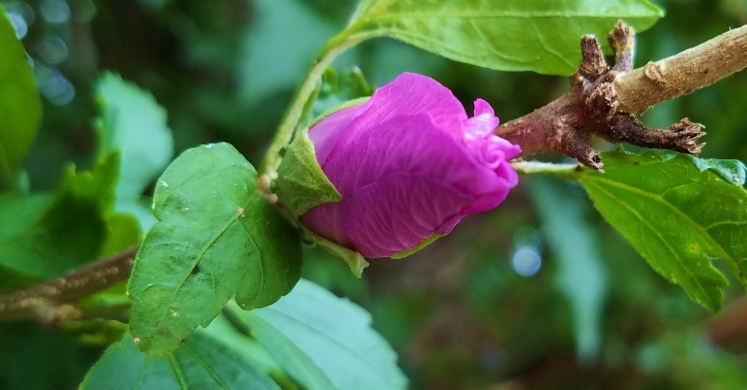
594 106
622 40
654 72
593 64
680 137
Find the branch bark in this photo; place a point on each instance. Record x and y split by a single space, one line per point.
683 73
604 100
53 301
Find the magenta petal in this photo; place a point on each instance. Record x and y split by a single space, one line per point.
398 213
409 163
324 134
409 94
401 181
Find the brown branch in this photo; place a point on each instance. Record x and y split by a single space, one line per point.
683 73
604 100
53 301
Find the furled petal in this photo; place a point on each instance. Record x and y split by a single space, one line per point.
402 180
408 94
325 133
398 213
482 124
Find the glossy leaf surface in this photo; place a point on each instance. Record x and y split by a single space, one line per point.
217 238
540 36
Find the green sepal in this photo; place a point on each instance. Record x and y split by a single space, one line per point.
355 260
425 243
301 184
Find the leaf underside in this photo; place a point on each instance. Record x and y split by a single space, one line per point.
325 342
202 362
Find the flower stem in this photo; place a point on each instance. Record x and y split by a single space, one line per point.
562 171
284 134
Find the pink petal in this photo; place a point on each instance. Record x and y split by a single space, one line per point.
408 94
402 180
324 133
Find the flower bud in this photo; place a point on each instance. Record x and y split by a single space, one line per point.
409 164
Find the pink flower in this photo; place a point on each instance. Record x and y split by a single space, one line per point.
409 164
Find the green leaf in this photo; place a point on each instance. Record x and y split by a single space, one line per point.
301 183
45 236
132 121
20 103
217 237
123 231
541 36
679 212
242 342
581 275
325 343
355 260
201 362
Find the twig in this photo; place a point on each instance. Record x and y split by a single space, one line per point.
539 167
683 73
604 101
52 301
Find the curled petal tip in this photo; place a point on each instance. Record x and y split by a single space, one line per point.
409 164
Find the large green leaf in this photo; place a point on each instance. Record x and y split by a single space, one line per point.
541 36
45 235
217 237
325 342
679 212
20 103
202 362
132 122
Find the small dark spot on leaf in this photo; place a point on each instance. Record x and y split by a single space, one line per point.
196 270
636 163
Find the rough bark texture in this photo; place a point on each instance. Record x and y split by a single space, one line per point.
604 100
683 73
50 302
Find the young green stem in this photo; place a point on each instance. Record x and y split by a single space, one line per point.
284 135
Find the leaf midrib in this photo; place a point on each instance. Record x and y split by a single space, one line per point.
202 252
666 244
504 15
286 346
178 372
329 337
204 365
700 229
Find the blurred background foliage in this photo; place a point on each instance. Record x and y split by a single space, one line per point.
539 294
